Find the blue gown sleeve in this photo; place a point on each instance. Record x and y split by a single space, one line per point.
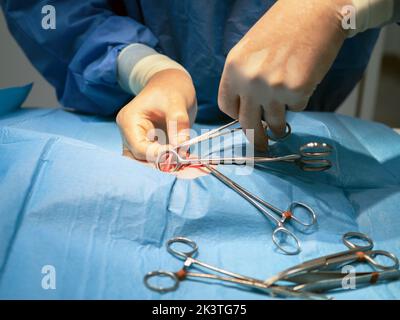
79 56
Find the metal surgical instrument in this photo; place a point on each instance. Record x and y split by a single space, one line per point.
310 158
217 132
323 281
357 252
225 276
271 212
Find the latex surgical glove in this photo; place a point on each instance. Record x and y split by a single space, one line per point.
280 62
167 103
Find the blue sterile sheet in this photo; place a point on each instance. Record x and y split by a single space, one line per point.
68 199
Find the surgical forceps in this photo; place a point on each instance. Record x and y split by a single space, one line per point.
323 281
320 267
309 158
217 132
225 276
268 209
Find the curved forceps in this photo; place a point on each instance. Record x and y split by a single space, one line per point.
262 206
310 158
356 252
189 261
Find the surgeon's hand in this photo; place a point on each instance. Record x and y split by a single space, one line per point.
167 102
280 62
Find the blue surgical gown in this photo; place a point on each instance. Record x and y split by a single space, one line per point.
79 57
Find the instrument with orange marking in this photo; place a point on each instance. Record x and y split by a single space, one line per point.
319 274
311 156
150 279
271 212
323 281
308 280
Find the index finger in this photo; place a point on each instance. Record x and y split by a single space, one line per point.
136 135
250 115
275 116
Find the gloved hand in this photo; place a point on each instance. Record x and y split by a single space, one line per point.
279 62
167 102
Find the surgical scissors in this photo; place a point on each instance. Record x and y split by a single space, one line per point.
225 276
309 158
264 206
356 252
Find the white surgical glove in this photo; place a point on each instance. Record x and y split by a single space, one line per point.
165 100
280 62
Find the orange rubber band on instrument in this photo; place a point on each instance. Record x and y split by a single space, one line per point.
181 274
374 277
360 256
287 215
